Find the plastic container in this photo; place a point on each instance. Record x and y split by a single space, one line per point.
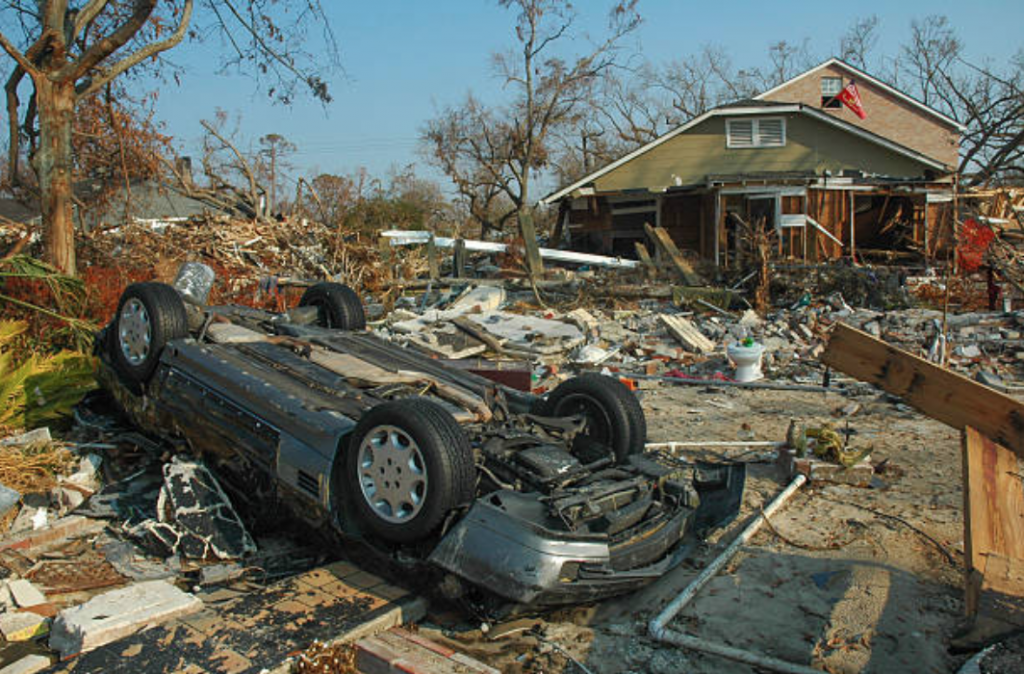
194 281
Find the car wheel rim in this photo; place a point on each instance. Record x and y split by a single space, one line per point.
392 474
134 331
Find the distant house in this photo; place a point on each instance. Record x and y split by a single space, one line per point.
145 201
17 211
830 183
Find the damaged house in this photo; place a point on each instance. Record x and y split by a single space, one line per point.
831 183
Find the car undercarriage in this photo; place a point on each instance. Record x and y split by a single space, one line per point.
540 501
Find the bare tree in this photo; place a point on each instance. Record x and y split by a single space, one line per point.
986 99
472 146
72 50
233 182
857 45
512 143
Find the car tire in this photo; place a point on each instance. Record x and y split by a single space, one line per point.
614 415
339 306
408 464
148 316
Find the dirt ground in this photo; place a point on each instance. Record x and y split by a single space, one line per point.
838 587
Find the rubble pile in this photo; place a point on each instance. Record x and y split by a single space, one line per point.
658 338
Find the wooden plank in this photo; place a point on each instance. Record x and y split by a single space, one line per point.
687 334
645 259
432 263
664 243
459 259
993 520
941 394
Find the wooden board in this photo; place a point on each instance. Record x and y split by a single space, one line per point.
667 247
940 393
687 334
645 259
993 521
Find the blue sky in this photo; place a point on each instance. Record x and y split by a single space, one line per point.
404 60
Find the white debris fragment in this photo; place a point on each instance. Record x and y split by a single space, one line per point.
25 594
117 614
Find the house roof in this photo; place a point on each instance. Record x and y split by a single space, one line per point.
18 211
749 107
861 75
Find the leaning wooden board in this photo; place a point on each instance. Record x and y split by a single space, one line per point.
993 528
940 393
991 423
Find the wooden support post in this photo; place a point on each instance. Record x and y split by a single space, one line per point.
667 247
853 226
459 258
384 248
718 223
993 529
534 265
432 263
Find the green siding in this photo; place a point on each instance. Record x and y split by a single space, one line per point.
811 145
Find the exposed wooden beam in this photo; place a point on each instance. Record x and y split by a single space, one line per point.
664 243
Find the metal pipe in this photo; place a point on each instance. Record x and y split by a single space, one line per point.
716 443
754 659
657 626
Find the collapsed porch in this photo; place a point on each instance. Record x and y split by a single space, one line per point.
816 218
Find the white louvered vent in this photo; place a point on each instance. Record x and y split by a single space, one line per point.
771 132
740 133
758 132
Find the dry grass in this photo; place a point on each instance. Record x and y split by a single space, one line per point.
324 659
34 468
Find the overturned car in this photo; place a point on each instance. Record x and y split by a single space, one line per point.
539 500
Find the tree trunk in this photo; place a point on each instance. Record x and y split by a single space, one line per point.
53 166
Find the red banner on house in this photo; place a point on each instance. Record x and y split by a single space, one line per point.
851 99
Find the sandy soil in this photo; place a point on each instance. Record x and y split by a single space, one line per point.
847 590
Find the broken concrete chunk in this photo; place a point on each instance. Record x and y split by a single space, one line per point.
30 664
22 626
584 319
8 499
114 615
25 594
750 319
199 521
480 299
967 351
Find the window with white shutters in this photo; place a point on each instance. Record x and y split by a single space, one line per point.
757 132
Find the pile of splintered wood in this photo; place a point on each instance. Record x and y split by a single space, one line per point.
297 247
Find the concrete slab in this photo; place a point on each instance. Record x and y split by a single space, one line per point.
119 613
25 593
23 625
260 631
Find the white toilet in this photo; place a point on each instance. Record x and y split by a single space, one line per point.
747 360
